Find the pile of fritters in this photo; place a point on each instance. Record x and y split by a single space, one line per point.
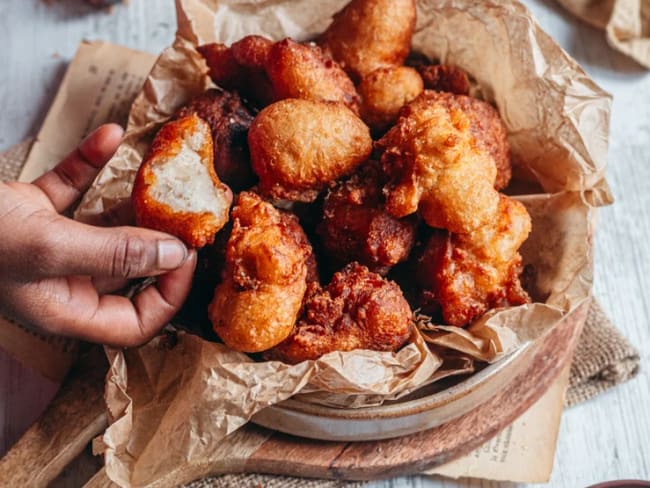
364 189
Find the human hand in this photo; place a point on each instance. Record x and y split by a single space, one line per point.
54 272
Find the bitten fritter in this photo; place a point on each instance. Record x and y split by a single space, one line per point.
370 34
444 77
229 120
176 189
300 147
436 166
466 275
265 277
355 226
263 71
302 71
384 92
357 310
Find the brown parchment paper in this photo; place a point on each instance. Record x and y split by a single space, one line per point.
626 23
172 401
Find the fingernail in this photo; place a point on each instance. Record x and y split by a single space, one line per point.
171 254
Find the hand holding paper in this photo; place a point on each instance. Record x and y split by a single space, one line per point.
54 271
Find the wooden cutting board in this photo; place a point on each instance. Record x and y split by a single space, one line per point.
59 440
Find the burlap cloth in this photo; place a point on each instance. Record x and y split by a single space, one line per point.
603 359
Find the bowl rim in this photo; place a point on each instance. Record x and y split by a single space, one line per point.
397 408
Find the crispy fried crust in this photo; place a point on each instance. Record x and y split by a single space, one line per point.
223 68
370 34
229 121
263 72
242 73
252 51
256 305
195 229
299 147
435 166
444 77
355 226
384 92
486 124
466 275
357 310
302 71
490 135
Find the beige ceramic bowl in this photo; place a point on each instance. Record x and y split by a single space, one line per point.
423 409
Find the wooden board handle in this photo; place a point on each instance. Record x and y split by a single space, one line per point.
75 417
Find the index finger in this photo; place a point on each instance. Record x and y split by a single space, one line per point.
120 322
143 316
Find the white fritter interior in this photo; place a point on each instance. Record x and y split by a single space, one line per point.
184 183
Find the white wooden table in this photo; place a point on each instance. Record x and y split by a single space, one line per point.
606 438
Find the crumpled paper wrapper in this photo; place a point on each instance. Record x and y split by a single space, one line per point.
626 23
171 401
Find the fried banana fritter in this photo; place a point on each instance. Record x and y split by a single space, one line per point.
176 189
246 78
355 226
370 34
466 275
384 92
252 51
256 305
490 135
302 71
357 310
435 165
444 77
229 120
486 124
299 147
263 71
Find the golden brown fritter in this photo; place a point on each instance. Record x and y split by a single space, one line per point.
466 275
299 147
444 77
263 72
370 34
256 305
243 73
486 124
223 68
176 189
302 71
357 310
384 92
229 120
252 51
490 135
435 165
355 226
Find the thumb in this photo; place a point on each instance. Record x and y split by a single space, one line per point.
73 248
